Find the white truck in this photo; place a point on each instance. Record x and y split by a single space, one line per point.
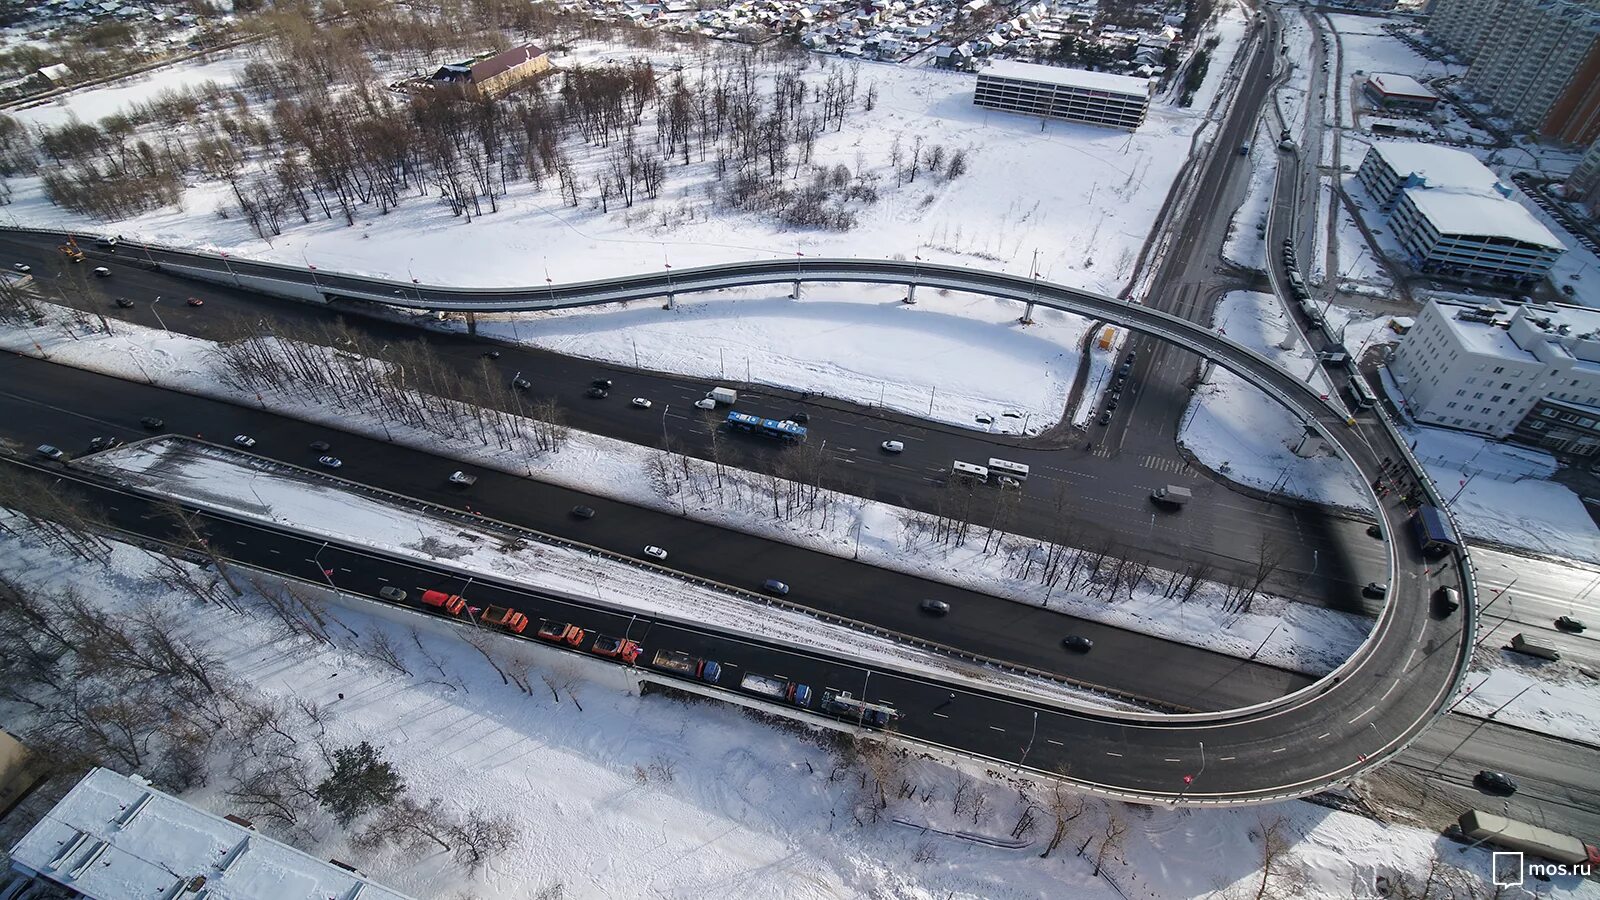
776 688
1172 495
726 396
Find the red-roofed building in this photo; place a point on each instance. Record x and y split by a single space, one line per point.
491 76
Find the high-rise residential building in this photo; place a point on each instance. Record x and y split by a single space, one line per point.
1461 25
1583 185
1536 62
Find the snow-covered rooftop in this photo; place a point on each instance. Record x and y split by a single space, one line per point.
1463 212
1077 78
112 838
1439 167
1483 337
1400 85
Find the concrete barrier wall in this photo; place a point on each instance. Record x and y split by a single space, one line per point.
271 286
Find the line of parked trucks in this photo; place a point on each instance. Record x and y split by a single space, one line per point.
836 703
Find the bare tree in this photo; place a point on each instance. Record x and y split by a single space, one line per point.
1064 806
483 835
1283 875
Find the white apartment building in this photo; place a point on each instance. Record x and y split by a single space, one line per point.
1076 95
1461 25
1531 373
1452 215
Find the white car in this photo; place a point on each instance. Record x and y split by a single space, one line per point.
332 462
705 403
641 402
244 440
22 267
463 479
102 271
892 446
655 552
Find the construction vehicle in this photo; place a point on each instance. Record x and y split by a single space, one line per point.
71 252
502 617
684 664
616 648
450 603
776 688
843 705
560 633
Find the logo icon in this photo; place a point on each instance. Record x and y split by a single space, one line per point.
1505 869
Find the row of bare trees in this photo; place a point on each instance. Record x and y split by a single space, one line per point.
399 383
798 487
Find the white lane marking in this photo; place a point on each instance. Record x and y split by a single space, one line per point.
1323 735
1171 759
941 715
1118 755
1360 714
1280 750
997 728
1057 743
1224 758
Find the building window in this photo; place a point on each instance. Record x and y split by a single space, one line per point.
1499 369
1548 412
1450 405
1478 396
1586 423
1505 386
1461 393
1495 399
1536 426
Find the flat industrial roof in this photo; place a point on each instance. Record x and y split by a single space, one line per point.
1440 167
112 837
1455 212
1401 85
1078 78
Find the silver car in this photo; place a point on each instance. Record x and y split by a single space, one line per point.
392 593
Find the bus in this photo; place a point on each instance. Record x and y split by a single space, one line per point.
783 430
969 473
1360 395
1009 469
1435 537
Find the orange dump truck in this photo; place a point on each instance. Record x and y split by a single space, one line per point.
501 617
450 603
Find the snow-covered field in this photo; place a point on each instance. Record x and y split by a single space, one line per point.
648 796
1088 228
93 105
951 357
1246 243
1276 631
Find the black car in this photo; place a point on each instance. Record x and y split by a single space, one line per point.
604 383
1374 531
599 393
320 446
1126 368
152 423
800 417
935 607
1569 624
1375 589
1495 782
492 354
582 512
1105 418
124 302
521 384
1077 642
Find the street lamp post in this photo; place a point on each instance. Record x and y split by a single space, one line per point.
664 424
158 316
1031 735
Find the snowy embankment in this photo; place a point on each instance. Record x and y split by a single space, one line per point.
1246 242
1236 430
275 494
1277 631
1558 705
657 797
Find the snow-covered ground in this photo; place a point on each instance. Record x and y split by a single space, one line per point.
1359 270
1088 228
1560 703
1276 631
952 357
93 105
1233 428
649 796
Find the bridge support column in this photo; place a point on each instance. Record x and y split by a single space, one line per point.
796 294
911 294
1027 314
472 322
672 300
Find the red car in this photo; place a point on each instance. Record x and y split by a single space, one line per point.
196 301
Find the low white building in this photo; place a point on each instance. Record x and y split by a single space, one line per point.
113 837
1453 216
1098 98
1531 373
